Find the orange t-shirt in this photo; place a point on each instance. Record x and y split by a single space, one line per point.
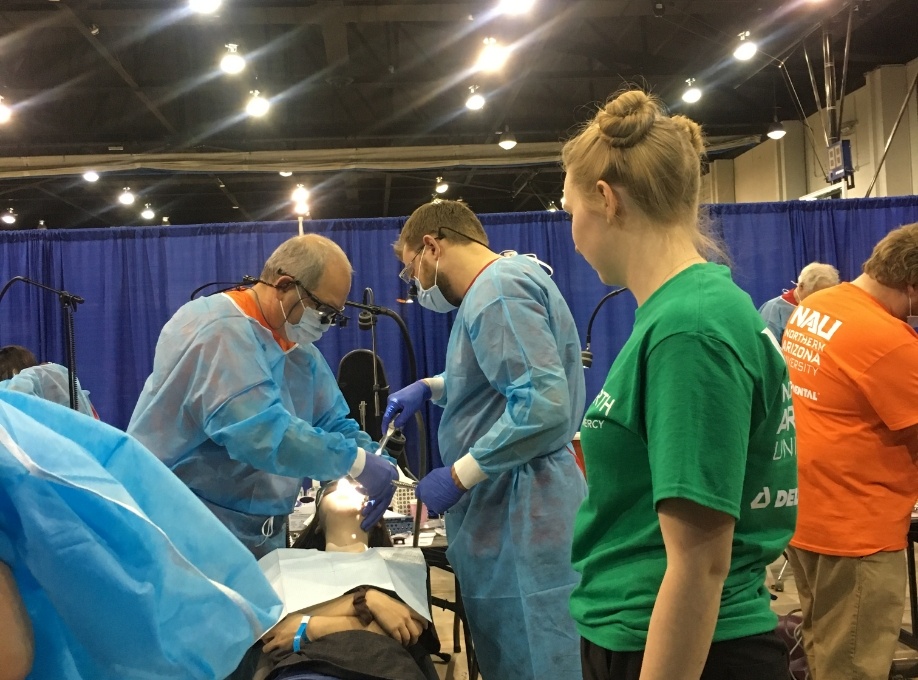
854 374
249 307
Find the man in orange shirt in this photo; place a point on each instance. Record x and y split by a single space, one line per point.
852 353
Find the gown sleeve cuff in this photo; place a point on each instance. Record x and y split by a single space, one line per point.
469 471
436 384
359 462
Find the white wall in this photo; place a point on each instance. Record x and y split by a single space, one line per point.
787 169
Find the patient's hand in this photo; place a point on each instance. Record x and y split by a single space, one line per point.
281 636
399 621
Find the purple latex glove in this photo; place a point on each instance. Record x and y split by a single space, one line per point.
404 404
438 491
377 481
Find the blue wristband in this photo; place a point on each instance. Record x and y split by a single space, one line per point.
300 634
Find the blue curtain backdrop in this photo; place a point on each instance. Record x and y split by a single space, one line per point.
134 279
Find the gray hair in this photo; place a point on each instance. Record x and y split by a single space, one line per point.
816 276
305 258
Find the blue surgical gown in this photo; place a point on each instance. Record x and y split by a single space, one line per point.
51 382
514 397
241 421
123 572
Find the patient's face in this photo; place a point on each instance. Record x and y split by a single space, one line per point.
342 499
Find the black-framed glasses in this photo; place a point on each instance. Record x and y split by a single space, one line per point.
407 272
328 314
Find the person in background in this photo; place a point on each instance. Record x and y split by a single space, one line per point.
815 276
14 358
52 382
512 397
852 351
688 500
241 405
109 567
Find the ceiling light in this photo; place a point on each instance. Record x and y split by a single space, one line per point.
692 94
492 57
301 208
148 213
41 225
776 129
300 194
126 196
515 6
91 176
658 8
258 105
9 216
285 173
475 101
204 6
441 187
746 49
552 207
5 112
232 61
165 221
507 140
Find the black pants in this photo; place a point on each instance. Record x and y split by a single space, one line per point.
757 657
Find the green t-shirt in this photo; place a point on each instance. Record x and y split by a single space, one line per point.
696 406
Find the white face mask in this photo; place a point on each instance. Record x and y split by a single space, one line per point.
432 298
309 329
910 319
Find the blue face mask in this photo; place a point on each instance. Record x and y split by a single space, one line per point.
432 298
308 330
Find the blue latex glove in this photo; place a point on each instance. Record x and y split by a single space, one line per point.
404 404
376 480
438 491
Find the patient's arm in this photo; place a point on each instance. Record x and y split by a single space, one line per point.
17 650
399 621
281 636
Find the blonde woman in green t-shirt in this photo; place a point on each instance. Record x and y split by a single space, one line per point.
690 445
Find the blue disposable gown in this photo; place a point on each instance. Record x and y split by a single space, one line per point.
51 382
123 573
240 421
514 397
776 312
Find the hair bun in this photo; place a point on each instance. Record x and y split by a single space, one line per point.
627 118
692 130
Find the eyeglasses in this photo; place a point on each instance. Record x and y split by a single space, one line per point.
328 314
408 272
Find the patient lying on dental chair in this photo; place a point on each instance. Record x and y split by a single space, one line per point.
358 608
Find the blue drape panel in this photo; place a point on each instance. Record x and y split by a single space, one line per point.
134 279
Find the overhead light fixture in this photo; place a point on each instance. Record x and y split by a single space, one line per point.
204 6
776 129
301 208
41 225
492 57
258 105
94 30
232 61
440 186
507 139
515 6
692 94
658 8
9 216
91 176
746 49
5 112
165 221
285 173
300 194
475 102
147 212
126 197
552 207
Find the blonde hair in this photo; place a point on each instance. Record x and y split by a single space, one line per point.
894 261
431 218
633 143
